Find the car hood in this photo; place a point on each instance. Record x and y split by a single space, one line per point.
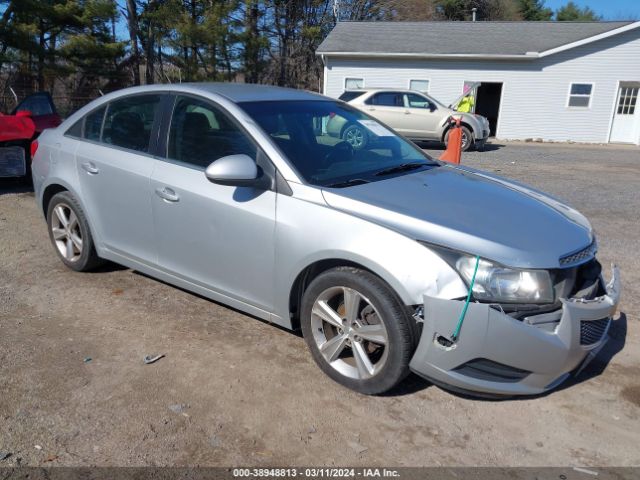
473 212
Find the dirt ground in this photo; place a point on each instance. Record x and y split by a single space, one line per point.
235 391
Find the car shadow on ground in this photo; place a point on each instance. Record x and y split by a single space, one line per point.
115 266
488 147
15 185
410 385
617 340
108 267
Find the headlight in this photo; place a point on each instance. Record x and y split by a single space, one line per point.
502 284
495 283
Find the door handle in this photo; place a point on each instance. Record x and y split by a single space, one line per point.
90 168
407 112
371 109
167 194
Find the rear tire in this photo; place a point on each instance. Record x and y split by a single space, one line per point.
70 234
358 331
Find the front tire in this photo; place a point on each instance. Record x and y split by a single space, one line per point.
467 138
356 136
358 331
69 233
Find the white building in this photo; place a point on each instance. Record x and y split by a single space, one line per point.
558 81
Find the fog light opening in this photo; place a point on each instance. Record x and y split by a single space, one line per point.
443 342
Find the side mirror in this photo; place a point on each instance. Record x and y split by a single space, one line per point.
235 170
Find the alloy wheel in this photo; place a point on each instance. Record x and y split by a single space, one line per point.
349 333
66 232
355 137
464 142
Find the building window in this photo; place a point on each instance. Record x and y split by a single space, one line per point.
353 83
580 95
419 85
627 100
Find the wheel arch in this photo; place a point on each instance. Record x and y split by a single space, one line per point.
462 124
312 271
57 185
48 193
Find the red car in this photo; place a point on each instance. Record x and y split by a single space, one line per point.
20 128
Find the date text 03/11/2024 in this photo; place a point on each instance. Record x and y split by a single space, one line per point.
315 473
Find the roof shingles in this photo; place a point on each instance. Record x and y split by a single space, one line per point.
454 38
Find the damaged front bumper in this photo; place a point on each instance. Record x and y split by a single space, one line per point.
498 354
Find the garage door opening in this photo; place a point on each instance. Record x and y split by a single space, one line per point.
488 103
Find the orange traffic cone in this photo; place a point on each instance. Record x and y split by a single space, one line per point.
454 146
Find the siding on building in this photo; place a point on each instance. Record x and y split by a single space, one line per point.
534 94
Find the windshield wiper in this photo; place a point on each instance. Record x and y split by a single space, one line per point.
348 183
404 167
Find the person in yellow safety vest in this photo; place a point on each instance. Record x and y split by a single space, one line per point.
467 102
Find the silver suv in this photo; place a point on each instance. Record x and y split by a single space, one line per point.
413 114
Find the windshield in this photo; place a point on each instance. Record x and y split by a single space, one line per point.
437 102
332 144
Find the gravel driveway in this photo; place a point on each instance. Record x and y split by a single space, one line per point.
233 390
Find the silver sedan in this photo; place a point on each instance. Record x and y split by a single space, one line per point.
387 260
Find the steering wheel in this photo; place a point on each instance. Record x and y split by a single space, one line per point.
341 152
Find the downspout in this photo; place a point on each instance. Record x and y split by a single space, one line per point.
324 74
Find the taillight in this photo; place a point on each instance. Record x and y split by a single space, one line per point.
34 148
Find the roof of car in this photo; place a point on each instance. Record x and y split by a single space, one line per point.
460 38
244 92
381 89
236 92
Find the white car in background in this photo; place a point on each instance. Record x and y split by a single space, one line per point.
413 114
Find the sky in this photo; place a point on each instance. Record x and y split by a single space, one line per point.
609 9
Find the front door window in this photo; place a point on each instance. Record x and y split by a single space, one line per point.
201 133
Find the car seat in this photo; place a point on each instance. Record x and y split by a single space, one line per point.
127 130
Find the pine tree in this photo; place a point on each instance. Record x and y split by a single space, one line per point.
89 51
534 10
573 13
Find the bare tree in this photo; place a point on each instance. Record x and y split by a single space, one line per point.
133 26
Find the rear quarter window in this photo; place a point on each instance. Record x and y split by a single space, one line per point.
93 124
76 129
88 127
348 96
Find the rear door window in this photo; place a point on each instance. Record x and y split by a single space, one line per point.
386 99
129 122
